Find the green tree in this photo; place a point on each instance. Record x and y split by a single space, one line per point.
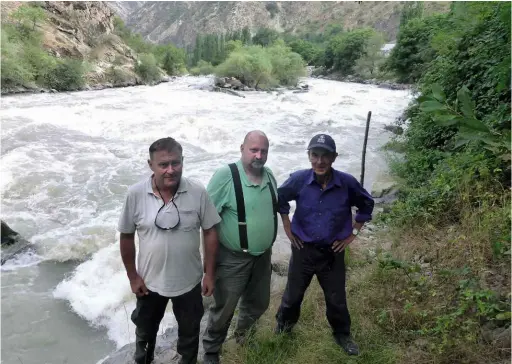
146 67
343 51
413 50
233 45
308 51
29 17
287 66
411 10
173 60
250 65
14 71
265 37
198 50
68 74
246 36
372 59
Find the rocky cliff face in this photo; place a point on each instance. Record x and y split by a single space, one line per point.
84 30
180 21
124 8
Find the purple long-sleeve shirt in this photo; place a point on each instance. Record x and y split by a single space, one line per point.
324 216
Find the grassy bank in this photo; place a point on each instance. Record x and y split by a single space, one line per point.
414 297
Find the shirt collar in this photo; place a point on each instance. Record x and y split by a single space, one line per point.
183 187
246 181
336 180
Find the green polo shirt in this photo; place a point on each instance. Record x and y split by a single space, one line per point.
258 209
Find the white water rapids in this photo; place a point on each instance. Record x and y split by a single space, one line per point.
68 159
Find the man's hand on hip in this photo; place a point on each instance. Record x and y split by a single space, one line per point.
138 286
339 245
296 242
208 285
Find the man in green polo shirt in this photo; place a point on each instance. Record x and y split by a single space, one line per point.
243 268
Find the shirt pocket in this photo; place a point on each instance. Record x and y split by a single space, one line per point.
338 216
189 220
305 214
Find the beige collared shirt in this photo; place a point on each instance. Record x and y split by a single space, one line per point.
169 261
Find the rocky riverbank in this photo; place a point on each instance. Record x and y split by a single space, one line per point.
34 89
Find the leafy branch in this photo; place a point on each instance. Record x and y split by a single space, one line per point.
461 115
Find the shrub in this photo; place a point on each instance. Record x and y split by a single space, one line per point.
67 75
147 68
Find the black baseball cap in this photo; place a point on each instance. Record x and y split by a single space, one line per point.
323 141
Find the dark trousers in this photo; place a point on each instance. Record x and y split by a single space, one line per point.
188 310
329 268
241 279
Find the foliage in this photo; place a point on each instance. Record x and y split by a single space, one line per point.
24 61
308 51
167 56
15 70
117 75
287 66
372 59
67 74
344 50
215 48
413 51
265 37
233 45
455 193
170 58
411 10
203 68
146 67
250 65
256 66
28 18
461 115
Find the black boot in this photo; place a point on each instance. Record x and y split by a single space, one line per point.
144 351
347 344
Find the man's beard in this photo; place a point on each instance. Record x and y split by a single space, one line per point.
257 164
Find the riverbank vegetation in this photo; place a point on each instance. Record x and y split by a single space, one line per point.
29 63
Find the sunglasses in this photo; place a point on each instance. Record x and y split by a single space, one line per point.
169 218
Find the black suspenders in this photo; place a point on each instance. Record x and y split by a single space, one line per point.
240 207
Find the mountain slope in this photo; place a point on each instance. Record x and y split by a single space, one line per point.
79 30
180 21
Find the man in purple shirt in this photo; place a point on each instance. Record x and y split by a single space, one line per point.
320 231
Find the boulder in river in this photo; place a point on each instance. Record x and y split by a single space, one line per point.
395 129
13 243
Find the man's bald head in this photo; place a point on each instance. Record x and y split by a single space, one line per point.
255 134
254 150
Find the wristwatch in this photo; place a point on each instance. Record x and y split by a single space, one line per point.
355 231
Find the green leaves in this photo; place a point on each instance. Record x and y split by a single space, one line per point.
462 116
438 93
464 102
432 105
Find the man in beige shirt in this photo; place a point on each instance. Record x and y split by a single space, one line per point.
167 211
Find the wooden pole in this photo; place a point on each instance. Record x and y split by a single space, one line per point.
364 146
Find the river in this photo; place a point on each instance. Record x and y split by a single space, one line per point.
68 159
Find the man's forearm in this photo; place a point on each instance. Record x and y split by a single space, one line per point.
359 225
286 219
127 245
211 246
